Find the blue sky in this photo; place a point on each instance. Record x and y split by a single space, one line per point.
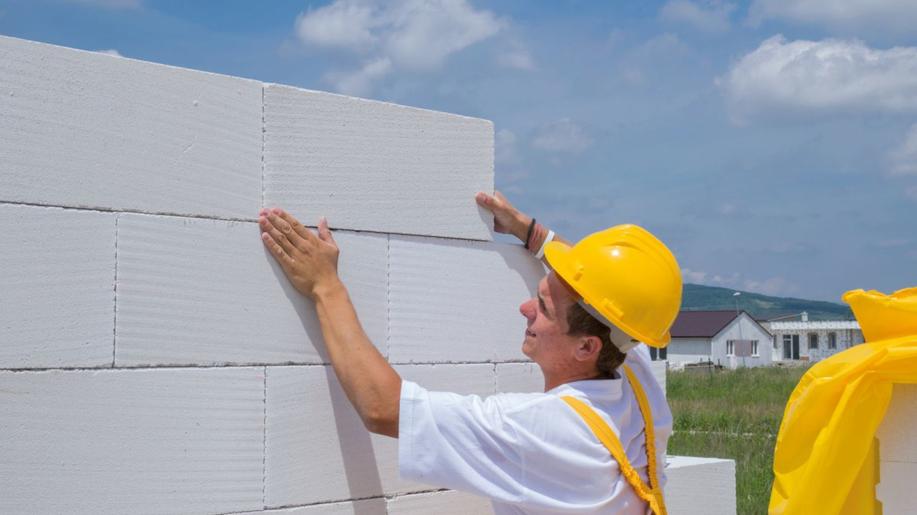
772 143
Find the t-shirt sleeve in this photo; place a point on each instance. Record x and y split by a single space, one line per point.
458 441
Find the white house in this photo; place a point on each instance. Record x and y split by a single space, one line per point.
727 338
812 340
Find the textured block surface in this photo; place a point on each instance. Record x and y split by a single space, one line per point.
57 299
196 291
896 487
700 486
364 507
317 447
898 432
519 378
88 129
375 166
441 503
458 300
131 441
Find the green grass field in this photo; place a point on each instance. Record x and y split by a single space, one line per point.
733 414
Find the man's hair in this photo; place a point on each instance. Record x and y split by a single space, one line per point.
581 323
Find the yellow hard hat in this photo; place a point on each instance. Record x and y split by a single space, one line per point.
626 275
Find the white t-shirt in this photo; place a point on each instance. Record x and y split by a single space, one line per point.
530 453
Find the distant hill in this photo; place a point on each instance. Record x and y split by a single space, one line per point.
698 297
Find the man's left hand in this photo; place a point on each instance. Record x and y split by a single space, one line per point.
309 261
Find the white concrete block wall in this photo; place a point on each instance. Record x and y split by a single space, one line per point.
132 441
700 485
57 291
376 166
153 358
94 130
898 452
177 306
458 301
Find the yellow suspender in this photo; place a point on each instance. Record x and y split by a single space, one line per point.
651 493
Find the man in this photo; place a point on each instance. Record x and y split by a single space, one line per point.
594 442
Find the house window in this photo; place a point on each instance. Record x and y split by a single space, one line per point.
832 340
813 341
754 348
658 354
730 348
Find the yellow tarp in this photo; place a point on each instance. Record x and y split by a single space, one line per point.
825 460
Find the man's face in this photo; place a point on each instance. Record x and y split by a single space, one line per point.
546 340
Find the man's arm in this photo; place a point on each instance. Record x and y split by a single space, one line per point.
310 263
509 220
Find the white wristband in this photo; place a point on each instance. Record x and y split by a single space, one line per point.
544 244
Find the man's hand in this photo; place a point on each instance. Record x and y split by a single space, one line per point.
507 219
310 262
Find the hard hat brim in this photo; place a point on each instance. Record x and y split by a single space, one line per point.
559 258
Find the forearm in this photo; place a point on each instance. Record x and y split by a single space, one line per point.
520 229
371 384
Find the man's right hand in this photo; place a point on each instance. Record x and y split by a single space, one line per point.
507 219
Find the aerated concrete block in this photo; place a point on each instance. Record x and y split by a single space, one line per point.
448 502
57 278
363 507
701 486
207 292
87 129
376 166
458 301
519 378
317 447
896 487
131 441
898 432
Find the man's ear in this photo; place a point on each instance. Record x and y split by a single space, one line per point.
588 348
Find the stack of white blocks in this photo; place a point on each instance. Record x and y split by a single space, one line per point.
898 452
153 359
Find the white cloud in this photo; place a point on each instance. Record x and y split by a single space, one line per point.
341 24
359 82
713 17
904 158
408 34
827 76
110 51
517 57
885 15
563 136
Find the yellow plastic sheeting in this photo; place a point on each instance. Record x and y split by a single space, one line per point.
826 461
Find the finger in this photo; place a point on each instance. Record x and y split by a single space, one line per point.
277 251
324 233
280 237
484 200
298 227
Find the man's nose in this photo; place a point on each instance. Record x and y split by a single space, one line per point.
527 309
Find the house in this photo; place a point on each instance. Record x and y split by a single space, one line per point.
812 340
728 338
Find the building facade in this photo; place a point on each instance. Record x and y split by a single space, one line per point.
807 340
725 338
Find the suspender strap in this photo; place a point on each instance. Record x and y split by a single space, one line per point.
651 493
